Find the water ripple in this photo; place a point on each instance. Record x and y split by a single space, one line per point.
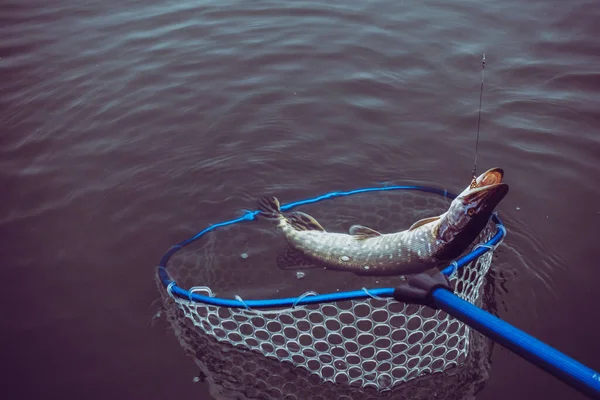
155 118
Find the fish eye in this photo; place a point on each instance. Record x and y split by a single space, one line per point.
470 212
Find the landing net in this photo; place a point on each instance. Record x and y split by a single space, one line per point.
362 337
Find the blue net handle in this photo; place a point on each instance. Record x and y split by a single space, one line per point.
176 291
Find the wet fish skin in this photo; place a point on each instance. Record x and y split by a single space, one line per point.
426 244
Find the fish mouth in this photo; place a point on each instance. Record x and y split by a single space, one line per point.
490 177
470 212
487 188
490 194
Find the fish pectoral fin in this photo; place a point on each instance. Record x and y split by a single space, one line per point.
293 259
362 232
422 222
304 222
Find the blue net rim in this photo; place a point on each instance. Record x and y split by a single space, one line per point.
304 299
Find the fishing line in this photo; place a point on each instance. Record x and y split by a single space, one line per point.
473 183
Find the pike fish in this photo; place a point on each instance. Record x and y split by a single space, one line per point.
428 243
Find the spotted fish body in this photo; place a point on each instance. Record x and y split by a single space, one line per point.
426 244
394 253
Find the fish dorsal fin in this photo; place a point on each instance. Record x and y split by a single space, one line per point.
422 222
362 232
304 222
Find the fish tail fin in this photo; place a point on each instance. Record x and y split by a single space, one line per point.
269 207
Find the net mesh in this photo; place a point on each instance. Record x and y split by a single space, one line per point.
370 344
232 372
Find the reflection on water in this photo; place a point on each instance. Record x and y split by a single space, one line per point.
127 126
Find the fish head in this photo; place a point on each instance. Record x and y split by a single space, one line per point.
470 212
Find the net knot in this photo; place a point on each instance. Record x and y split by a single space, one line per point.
238 298
249 215
371 295
302 296
170 289
502 229
454 271
199 289
486 246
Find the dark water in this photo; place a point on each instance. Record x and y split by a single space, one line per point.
128 126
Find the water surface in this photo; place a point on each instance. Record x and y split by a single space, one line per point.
129 126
